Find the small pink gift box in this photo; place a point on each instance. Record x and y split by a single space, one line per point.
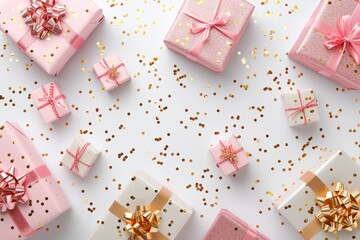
227 226
50 102
38 199
51 42
229 155
329 42
111 72
208 32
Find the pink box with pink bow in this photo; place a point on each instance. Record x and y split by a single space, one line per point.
30 197
329 43
207 32
49 31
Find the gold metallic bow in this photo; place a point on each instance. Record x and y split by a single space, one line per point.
43 16
339 209
142 223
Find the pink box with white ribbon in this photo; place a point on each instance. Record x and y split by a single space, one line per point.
329 43
50 102
50 32
30 196
207 32
230 227
229 155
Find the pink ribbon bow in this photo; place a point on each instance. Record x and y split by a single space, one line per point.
204 26
112 73
302 107
12 189
43 16
50 99
77 156
229 154
347 35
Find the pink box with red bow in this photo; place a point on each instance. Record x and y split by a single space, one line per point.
50 102
207 32
329 43
50 32
30 196
230 227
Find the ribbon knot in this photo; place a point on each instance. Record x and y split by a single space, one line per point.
43 16
228 153
50 99
346 34
12 189
142 223
302 107
77 158
112 73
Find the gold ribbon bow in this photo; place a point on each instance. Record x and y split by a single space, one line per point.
339 208
142 223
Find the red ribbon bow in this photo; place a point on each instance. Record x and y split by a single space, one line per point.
43 16
302 107
112 73
12 189
347 35
51 100
229 154
77 156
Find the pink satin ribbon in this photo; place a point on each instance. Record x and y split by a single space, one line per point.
40 26
302 107
50 100
229 150
108 70
345 36
15 214
203 27
77 157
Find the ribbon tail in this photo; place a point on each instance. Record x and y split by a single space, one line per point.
311 229
232 35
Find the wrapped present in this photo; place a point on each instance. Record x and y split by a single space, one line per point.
50 102
230 227
30 197
324 204
49 31
145 210
111 72
80 157
229 155
207 32
329 43
301 107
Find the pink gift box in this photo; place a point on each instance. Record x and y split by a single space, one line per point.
229 155
111 72
208 32
50 102
55 50
229 227
311 51
43 200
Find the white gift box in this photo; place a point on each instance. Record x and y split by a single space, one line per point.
301 107
86 159
142 190
298 205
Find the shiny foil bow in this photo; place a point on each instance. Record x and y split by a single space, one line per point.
347 35
142 223
43 16
12 189
228 153
112 73
339 209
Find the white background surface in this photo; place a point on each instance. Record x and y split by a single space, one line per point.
138 27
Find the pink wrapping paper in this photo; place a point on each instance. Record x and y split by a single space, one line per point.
217 50
46 199
310 50
101 70
52 111
52 53
227 167
229 227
